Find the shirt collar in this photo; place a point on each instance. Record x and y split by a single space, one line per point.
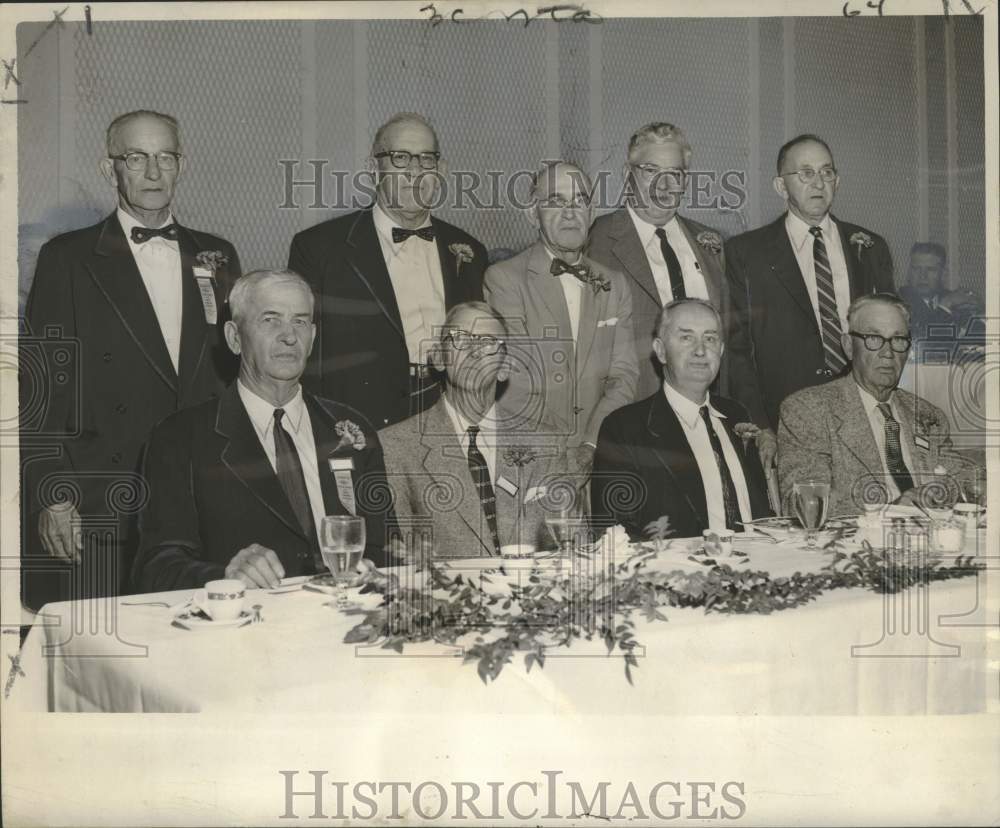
488 424
646 231
689 412
128 221
384 224
798 230
869 402
261 412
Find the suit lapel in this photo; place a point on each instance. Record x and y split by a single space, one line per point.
450 274
364 257
855 277
244 456
628 249
326 439
785 268
447 465
548 288
194 327
592 306
854 428
709 272
117 276
673 451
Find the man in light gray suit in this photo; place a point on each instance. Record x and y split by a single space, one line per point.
868 439
476 479
574 362
665 256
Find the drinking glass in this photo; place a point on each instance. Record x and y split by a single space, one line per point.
569 529
342 544
811 499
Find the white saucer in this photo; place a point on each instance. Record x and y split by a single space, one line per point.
192 621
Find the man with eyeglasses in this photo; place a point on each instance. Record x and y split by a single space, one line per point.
666 256
387 276
139 300
574 356
793 280
463 471
861 432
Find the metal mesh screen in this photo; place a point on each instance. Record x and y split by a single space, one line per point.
971 272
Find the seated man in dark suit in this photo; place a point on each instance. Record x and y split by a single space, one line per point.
239 485
676 454
933 307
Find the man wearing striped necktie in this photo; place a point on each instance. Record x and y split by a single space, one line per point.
793 280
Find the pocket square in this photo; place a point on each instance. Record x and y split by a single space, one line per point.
535 493
607 323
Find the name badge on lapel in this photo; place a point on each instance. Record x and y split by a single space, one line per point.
507 486
921 441
206 288
341 468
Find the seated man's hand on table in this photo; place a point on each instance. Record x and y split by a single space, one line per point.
256 566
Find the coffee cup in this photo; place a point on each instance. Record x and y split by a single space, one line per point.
969 514
221 600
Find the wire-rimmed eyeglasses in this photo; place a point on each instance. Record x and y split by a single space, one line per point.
136 160
483 343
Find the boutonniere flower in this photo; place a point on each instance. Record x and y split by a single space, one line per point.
350 434
518 456
212 259
596 281
861 240
746 432
462 253
710 240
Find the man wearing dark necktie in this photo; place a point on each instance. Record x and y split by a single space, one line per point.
677 454
461 470
792 282
870 440
133 308
388 275
240 485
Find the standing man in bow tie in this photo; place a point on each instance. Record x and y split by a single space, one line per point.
574 362
138 298
386 276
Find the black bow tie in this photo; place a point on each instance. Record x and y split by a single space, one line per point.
401 234
559 267
140 235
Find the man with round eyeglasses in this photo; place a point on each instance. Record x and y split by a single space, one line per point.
138 300
463 470
861 430
387 276
793 281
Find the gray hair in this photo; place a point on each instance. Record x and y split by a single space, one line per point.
660 133
239 295
804 138
877 299
663 317
547 169
116 126
378 143
480 308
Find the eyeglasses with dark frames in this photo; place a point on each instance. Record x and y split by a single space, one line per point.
875 342
401 159
484 344
137 160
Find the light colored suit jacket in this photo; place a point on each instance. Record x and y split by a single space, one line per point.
824 434
615 243
432 487
573 387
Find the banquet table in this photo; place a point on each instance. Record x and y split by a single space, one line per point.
851 651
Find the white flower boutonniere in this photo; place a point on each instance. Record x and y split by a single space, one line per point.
710 240
350 435
746 432
518 456
212 259
462 253
861 240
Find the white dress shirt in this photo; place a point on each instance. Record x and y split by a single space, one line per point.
159 263
572 292
486 439
689 415
694 279
877 422
802 243
415 272
297 423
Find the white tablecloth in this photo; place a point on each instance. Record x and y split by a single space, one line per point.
837 655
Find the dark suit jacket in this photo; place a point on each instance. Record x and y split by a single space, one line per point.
779 335
925 320
615 243
213 492
360 354
644 469
96 365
